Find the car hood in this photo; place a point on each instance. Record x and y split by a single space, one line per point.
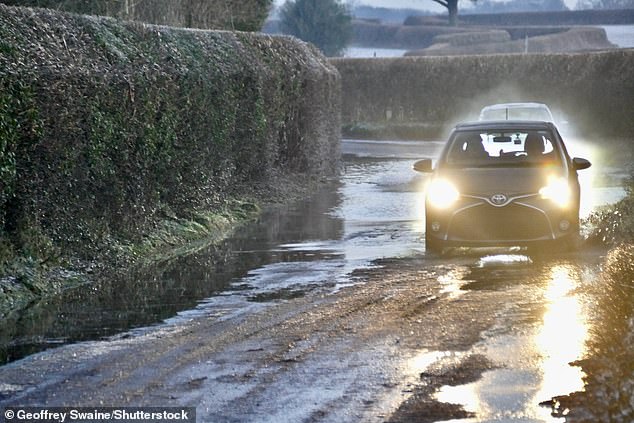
499 180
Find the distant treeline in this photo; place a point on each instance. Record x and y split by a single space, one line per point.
243 15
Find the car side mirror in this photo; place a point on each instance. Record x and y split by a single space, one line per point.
423 165
579 164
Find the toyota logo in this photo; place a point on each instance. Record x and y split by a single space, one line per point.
498 199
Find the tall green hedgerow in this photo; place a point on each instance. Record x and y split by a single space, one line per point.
20 129
109 127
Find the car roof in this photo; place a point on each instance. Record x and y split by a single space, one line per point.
515 105
505 124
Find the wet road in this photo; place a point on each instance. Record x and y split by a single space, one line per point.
288 252
322 331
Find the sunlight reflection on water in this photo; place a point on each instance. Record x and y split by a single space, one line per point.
562 336
534 360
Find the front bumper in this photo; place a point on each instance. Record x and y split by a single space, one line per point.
522 220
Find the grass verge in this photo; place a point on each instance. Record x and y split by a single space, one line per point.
32 279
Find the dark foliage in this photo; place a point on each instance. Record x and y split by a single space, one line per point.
107 127
325 23
242 15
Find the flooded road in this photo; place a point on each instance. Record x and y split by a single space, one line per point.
287 252
326 310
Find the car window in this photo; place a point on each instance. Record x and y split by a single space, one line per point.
502 148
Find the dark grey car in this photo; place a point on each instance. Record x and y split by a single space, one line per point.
502 183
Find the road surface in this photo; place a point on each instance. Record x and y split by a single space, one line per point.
359 325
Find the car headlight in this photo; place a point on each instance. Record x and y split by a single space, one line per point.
557 190
441 193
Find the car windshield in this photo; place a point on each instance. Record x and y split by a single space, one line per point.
516 113
502 148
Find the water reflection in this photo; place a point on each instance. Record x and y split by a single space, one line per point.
562 336
151 295
289 251
425 359
539 332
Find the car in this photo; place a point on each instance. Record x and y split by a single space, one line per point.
517 111
502 183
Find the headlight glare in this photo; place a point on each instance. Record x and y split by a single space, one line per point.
442 194
557 190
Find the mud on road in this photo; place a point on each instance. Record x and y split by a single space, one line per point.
378 350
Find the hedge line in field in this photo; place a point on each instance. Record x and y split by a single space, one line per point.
593 91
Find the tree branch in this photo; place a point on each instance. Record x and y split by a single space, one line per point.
443 3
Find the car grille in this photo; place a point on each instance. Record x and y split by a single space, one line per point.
509 223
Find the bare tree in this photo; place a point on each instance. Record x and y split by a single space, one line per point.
452 7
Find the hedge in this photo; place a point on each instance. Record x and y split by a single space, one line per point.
591 90
106 127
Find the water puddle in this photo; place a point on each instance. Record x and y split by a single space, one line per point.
453 281
264 261
372 212
536 337
424 361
